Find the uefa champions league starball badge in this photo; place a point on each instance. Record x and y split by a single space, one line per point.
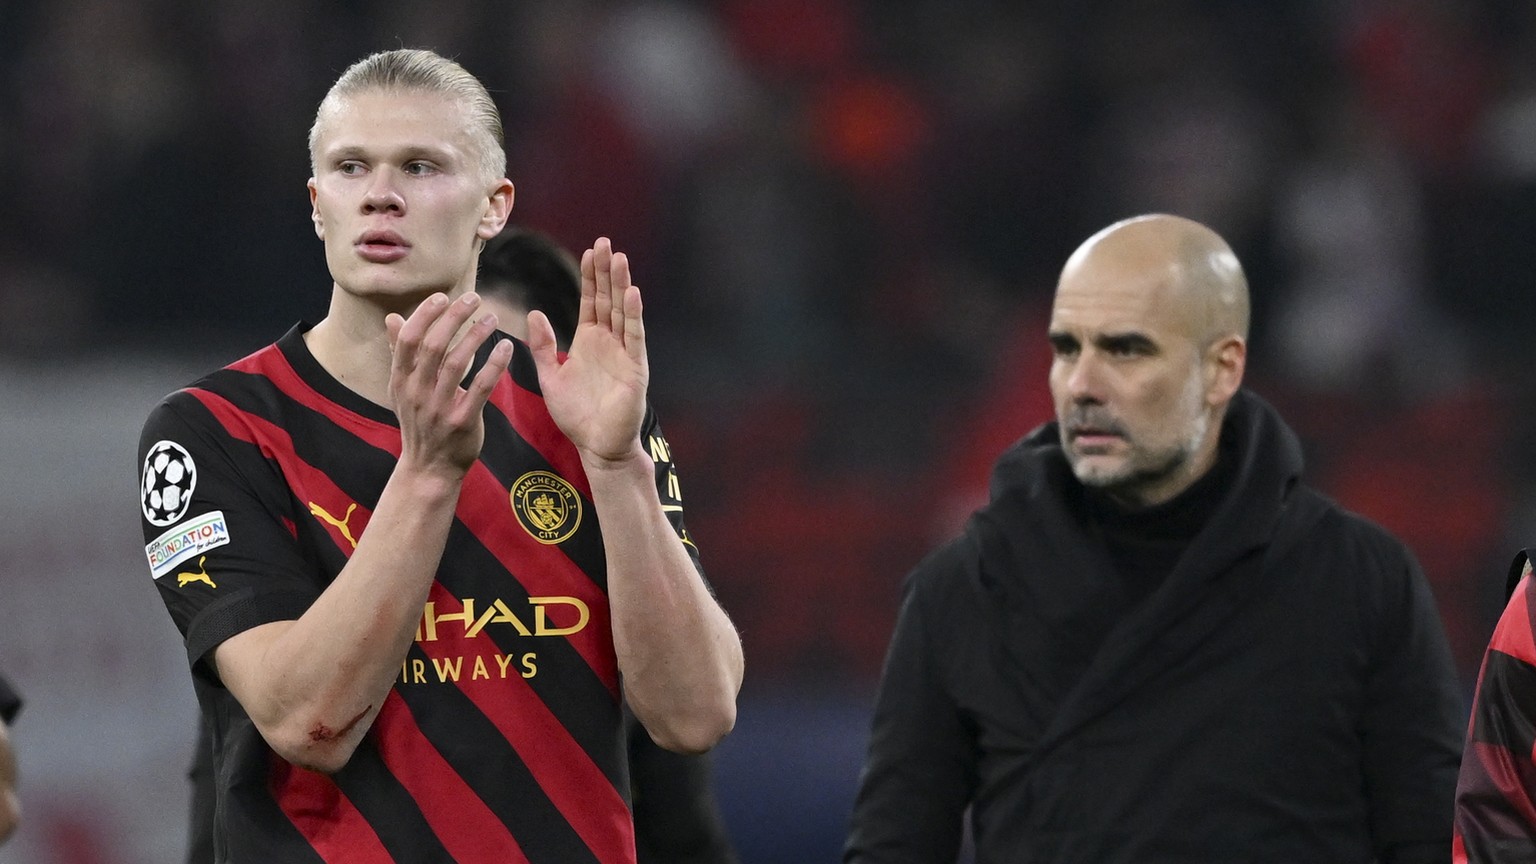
165 491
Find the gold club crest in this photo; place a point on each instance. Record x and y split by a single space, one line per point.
547 506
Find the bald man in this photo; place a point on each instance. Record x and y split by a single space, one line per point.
1155 643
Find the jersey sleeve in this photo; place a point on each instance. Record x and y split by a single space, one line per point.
668 487
1495 817
219 531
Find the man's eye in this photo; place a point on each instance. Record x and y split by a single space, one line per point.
350 168
418 168
1128 348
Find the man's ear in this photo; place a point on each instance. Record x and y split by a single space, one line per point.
498 209
1226 360
314 210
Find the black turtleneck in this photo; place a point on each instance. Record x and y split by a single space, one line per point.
1145 544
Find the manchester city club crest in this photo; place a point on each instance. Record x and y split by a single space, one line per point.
547 506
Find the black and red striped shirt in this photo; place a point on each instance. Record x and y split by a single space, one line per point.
1496 789
501 740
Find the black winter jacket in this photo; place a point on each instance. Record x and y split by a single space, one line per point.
1286 694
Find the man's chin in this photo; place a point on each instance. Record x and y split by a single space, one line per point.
1099 472
395 294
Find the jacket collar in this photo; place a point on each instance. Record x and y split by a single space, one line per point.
1039 559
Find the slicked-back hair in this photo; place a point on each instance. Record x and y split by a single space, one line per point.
421 71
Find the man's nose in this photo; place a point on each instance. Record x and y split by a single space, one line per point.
383 193
1085 378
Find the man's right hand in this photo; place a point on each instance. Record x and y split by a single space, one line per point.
441 427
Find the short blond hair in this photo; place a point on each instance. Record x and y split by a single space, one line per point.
420 70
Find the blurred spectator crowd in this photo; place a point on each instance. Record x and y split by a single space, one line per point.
848 216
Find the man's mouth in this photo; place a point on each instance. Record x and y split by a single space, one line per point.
382 247
1093 437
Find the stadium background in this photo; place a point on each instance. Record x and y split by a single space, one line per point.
848 216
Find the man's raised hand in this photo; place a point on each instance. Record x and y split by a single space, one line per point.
440 421
597 395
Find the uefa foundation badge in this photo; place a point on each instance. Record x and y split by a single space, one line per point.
193 537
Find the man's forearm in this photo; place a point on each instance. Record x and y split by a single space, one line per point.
678 651
314 685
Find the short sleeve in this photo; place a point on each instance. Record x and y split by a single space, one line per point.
219 527
669 487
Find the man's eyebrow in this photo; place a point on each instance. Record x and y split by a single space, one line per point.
344 152
425 151
1060 339
406 153
1132 341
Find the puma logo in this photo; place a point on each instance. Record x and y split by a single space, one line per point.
185 579
341 524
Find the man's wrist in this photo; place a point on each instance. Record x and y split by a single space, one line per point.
427 483
634 461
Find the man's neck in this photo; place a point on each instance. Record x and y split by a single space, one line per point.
355 353
352 344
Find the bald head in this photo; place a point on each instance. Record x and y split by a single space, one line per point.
1193 270
1149 337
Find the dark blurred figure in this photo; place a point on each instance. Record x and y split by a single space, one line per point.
522 270
1155 642
10 804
